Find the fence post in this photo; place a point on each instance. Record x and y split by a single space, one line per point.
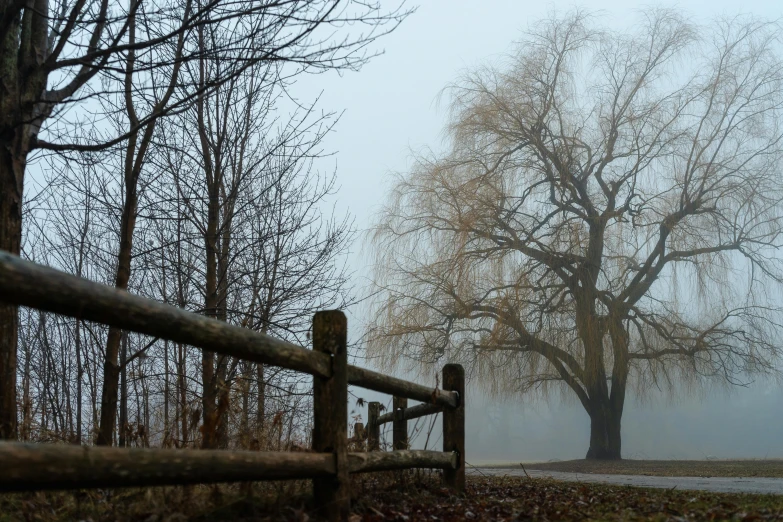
454 426
359 435
330 415
373 428
399 425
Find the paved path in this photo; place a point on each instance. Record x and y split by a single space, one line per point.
718 484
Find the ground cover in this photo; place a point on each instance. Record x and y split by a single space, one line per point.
666 468
408 498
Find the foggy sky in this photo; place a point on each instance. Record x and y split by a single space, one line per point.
391 109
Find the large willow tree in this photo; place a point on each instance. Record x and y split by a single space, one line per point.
606 213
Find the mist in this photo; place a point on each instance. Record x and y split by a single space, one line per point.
392 110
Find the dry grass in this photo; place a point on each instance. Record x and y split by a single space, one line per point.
668 468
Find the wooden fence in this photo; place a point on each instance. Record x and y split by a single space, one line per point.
39 466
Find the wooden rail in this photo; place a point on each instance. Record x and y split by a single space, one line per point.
59 466
28 284
393 386
414 412
39 466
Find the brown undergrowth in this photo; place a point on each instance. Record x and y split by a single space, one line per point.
402 497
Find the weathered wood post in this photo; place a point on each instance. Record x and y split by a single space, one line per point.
454 426
399 425
330 415
373 428
359 434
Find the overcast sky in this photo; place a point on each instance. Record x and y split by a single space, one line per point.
391 109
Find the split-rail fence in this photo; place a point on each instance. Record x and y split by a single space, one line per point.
329 465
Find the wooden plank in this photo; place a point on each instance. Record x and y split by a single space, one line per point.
59 466
373 426
454 427
414 412
407 459
393 386
332 494
29 284
400 425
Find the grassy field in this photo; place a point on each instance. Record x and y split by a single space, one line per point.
408 499
667 468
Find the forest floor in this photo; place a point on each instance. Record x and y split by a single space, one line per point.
665 468
407 497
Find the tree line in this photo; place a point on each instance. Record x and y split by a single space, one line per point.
160 148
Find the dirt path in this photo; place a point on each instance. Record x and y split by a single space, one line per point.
768 485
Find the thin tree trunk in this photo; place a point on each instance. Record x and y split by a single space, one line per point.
183 393
261 400
111 368
134 159
79 374
166 389
27 406
221 430
244 424
166 392
122 429
146 432
211 173
209 382
208 397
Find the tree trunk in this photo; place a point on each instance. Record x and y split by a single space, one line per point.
208 397
211 302
221 430
183 393
223 403
27 405
11 173
111 375
261 411
111 368
605 442
22 53
79 375
123 428
166 387
166 392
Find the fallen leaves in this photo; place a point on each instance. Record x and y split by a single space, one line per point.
519 498
399 497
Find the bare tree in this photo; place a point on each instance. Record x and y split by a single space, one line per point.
245 181
608 211
57 57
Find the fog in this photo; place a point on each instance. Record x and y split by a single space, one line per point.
742 425
391 109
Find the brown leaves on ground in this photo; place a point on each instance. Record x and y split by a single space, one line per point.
401 497
519 499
